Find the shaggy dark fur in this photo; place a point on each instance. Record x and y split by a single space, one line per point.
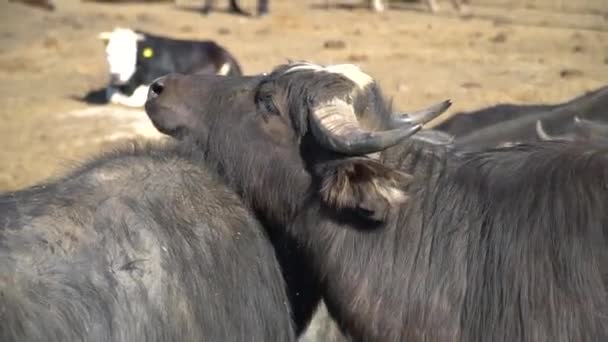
140 245
272 180
502 245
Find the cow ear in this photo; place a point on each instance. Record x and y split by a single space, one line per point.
105 36
363 185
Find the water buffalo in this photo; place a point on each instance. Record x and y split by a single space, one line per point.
509 123
145 244
584 130
410 240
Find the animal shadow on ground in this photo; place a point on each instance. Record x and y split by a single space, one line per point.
217 9
96 96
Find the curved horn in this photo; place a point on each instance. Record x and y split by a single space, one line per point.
335 126
586 124
434 137
540 132
544 136
589 129
422 116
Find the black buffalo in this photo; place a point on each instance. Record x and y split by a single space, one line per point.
509 123
145 244
416 242
584 130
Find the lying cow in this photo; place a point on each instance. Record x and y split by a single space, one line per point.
144 244
136 58
507 123
235 8
411 242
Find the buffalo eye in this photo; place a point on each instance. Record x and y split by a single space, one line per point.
268 105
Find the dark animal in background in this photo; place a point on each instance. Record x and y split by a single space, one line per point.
464 123
374 5
457 4
144 244
235 8
412 242
507 124
136 58
584 130
48 5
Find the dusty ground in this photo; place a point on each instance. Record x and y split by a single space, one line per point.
497 55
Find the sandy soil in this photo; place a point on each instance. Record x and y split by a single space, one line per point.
495 55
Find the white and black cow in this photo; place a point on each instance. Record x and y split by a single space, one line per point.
137 58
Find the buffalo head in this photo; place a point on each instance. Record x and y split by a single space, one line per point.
302 130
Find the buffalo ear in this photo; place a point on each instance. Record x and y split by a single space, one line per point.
363 185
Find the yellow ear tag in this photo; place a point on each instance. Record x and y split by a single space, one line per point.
148 53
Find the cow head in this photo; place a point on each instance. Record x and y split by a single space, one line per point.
302 127
121 53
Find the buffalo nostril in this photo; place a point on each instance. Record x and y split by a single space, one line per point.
157 88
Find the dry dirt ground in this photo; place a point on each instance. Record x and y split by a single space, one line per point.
495 55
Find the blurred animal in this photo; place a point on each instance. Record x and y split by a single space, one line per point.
48 5
410 240
381 5
143 244
235 8
136 58
458 5
507 123
584 130
375 5
129 1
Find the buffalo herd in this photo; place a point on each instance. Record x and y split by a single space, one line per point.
301 185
